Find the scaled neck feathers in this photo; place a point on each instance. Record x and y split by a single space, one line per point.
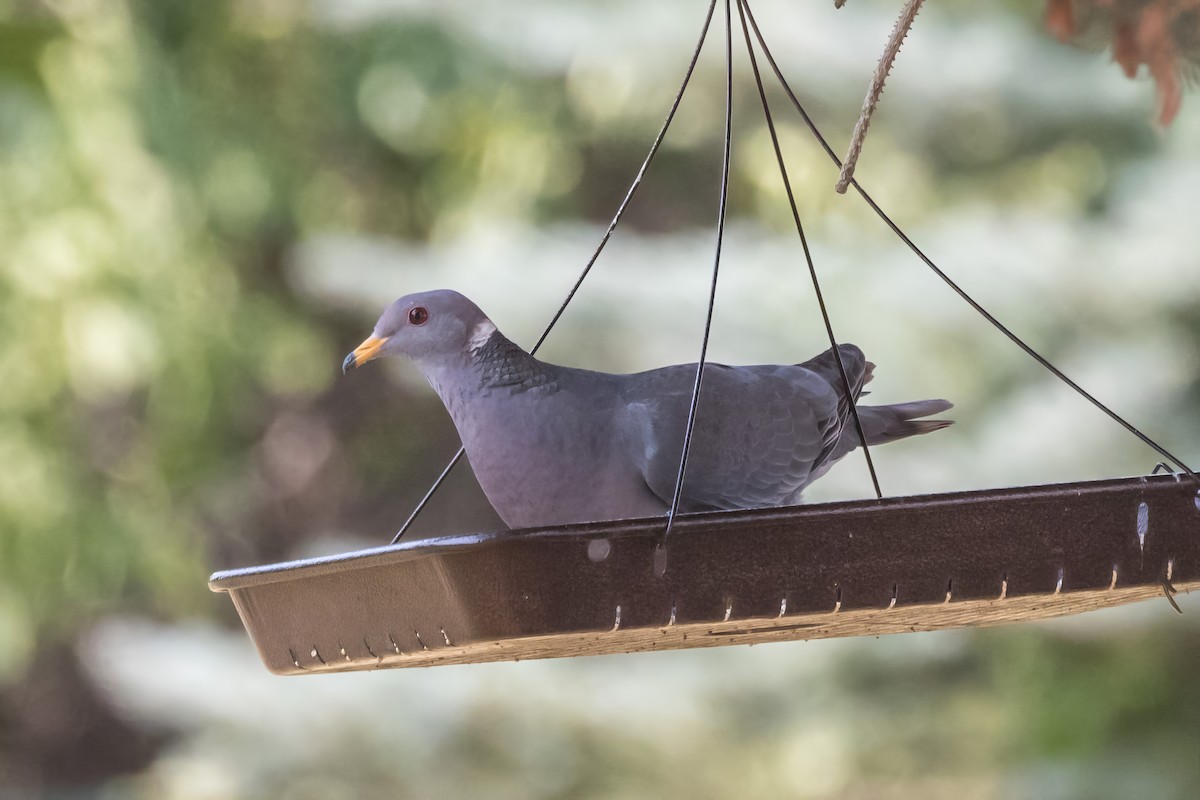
502 364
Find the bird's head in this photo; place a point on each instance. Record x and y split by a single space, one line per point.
427 326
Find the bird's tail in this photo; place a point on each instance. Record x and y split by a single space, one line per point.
883 424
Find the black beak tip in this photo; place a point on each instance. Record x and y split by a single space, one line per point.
348 364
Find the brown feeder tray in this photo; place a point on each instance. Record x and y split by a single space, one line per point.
856 568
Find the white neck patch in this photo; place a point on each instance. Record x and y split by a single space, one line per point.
483 331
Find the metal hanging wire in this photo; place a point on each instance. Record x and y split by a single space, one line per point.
612 226
712 290
660 561
812 269
1035 355
746 14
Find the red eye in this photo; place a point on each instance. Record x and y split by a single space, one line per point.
418 316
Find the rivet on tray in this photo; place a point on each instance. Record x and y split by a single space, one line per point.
671 621
895 593
837 604
617 619
445 636
1058 585
395 646
342 650
1143 523
1004 587
316 654
660 560
367 645
783 606
949 591
728 610
598 550
1113 585
1165 468
420 641
295 660
1169 592
1168 589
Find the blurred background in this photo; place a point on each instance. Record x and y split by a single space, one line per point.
204 206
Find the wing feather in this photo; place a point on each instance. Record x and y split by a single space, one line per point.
760 430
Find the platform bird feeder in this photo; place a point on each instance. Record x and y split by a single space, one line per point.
863 567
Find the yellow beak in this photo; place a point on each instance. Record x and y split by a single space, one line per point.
363 353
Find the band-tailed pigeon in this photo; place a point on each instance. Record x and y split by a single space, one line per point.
553 445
